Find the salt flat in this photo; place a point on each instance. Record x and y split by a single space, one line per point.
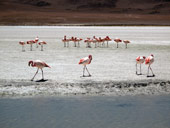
108 65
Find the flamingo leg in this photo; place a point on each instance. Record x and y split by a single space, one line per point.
31 47
35 74
64 44
148 71
152 71
107 44
23 48
136 69
67 44
126 45
87 71
83 70
74 44
41 47
42 74
117 45
37 45
78 44
140 70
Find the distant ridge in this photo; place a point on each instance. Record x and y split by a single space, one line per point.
48 12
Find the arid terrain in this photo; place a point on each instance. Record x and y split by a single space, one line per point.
88 12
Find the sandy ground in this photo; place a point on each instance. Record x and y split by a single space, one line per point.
112 69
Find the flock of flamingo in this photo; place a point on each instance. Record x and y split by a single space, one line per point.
87 60
31 42
98 42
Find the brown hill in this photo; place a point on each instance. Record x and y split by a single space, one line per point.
52 12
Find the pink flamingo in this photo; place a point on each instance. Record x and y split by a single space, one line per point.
95 40
78 40
85 61
36 41
22 43
30 42
40 65
66 41
42 43
107 38
126 42
74 40
148 61
88 42
117 40
139 60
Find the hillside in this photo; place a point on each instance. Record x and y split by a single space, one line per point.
90 12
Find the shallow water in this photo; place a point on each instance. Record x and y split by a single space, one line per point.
139 35
86 112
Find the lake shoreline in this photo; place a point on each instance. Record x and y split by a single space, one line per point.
26 88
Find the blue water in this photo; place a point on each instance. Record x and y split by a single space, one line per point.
86 112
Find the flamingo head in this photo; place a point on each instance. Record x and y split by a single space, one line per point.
90 57
30 63
152 55
144 57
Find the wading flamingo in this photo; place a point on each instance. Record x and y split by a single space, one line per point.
36 41
85 61
126 42
117 40
66 41
95 40
139 60
107 38
30 42
88 42
42 43
78 40
22 43
148 61
40 65
74 40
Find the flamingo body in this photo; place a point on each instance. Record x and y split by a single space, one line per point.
117 40
148 61
84 62
126 42
140 60
40 65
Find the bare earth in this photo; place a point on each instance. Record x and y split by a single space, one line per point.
112 69
85 12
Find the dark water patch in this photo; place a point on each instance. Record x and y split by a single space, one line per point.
86 112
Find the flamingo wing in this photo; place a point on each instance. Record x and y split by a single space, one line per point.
84 60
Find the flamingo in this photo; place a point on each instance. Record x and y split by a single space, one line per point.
117 40
148 61
107 38
40 65
126 42
74 40
139 60
85 61
95 40
78 40
42 43
88 43
36 40
22 43
30 42
65 40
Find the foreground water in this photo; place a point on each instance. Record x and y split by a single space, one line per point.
86 112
